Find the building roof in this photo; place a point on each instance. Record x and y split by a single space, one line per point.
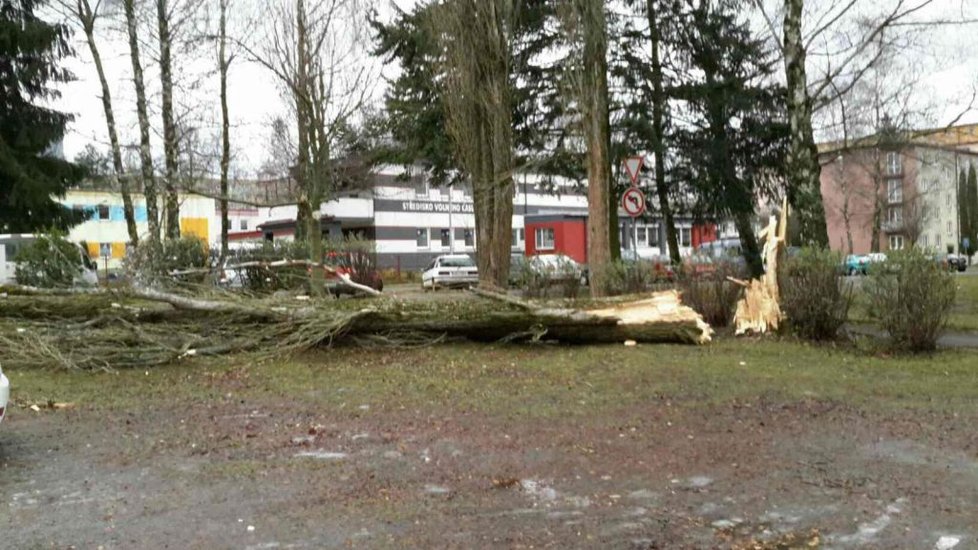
963 138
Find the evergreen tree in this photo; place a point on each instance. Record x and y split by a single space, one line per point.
30 177
964 216
732 150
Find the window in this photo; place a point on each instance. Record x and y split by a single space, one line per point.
948 229
925 243
685 236
947 199
895 215
545 238
423 237
103 213
896 242
519 237
643 236
893 164
446 238
470 237
105 249
653 235
421 186
244 225
937 239
894 190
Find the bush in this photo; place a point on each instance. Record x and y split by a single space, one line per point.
538 282
260 278
910 295
710 293
155 262
629 277
815 297
50 261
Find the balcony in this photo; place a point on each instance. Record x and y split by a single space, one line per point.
893 226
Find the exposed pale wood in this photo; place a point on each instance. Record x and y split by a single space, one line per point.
759 311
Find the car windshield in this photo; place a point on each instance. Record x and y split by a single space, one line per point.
457 261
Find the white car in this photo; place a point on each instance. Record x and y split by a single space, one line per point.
451 270
4 394
557 267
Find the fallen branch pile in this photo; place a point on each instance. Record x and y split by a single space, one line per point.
140 327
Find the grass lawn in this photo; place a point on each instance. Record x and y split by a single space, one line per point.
743 443
537 381
964 314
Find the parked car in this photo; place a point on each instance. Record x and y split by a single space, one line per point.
957 262
348 264
856 264
450 271
557 267
860 264
4 394
660 265
11 245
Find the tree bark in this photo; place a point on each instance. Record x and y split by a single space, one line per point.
87 18
658 146
223 64
170 141
804 186
597 136
145 153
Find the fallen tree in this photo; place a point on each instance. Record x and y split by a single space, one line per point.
140 327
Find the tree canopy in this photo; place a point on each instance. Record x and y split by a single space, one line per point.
31 174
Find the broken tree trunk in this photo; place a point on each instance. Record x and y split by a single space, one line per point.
759 311
113 335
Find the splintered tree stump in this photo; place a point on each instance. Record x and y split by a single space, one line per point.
759 311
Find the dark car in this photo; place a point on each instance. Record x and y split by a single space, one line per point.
957 262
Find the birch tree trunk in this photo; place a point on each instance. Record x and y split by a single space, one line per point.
86 16
804 187
223 64
170 142
658 146
145 153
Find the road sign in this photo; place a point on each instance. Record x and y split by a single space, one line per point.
633 165
633 201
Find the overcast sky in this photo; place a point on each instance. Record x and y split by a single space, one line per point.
949 57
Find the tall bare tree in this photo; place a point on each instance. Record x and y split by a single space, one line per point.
847 31
315 51
477 44
223 65
86 16
659 100
586 27
170 141
145 151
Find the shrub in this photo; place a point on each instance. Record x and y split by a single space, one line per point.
911 296
50 261
711 294
155 262
815 296
629 277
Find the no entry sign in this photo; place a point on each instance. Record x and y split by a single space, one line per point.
633 202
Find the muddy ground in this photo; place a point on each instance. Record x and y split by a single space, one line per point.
510 452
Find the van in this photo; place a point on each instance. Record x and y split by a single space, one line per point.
12 244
